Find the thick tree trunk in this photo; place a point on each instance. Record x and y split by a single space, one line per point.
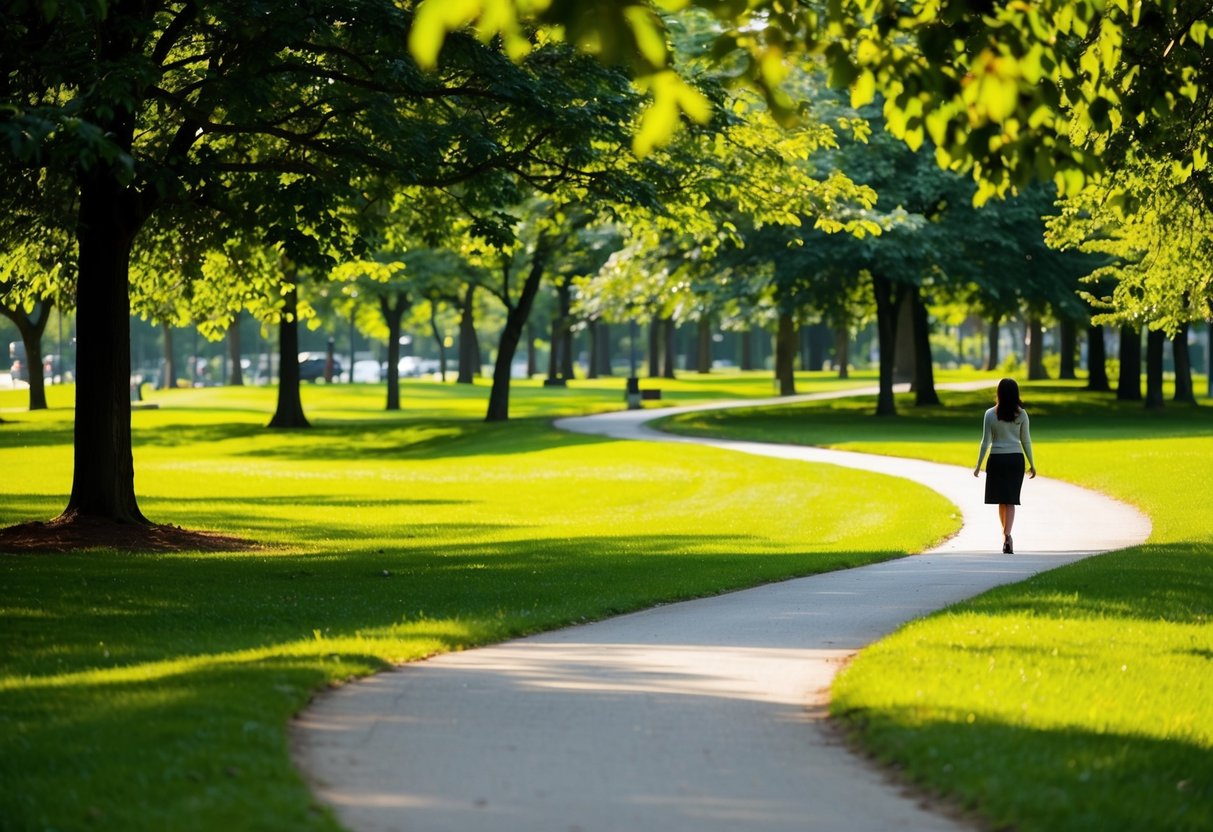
469 343
515 323
903 356
785 355
1069 346
1097 360
289 412
669 352
236 379
393 309
1128 386
888 297
1184 392
1035 350
31 330
746 358
704 343
924 369
103 479
993 336
1156 339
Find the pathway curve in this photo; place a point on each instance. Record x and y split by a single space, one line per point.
698 716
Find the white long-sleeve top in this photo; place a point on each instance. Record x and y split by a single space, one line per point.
1000 437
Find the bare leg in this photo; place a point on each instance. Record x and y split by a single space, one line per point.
1008 519
1002 518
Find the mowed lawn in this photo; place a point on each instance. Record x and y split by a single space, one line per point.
1081 699
153 691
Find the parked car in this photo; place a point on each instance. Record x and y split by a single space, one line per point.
367 371
311 367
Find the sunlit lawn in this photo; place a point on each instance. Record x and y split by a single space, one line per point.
1079 700
153 691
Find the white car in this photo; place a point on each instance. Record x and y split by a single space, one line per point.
367 371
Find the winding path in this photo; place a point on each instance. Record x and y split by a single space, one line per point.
697 716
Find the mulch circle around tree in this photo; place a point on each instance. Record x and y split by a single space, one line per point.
82 534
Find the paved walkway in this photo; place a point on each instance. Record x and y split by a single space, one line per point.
698 716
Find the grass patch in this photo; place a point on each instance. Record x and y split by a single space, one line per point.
1083 698
153 691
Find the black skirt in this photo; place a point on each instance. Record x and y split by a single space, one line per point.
1004 479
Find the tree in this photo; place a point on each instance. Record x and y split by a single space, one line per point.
270 122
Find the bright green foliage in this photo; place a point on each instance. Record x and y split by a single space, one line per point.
1076 700
1159 241
147 692
1055 89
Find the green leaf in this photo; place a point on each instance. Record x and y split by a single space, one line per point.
864 90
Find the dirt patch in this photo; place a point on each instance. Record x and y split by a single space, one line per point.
82 534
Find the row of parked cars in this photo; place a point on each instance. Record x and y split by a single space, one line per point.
366 370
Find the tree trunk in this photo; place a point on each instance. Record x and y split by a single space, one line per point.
842 348
168 379
785 355
236 379
1184 392
103 479
818 341
31 330
438 341
888 305
655 341
532 354
515 322
924 370
747 349
669 352
1156 339
469 344
1069 346
606 349
993 336
903 355
289 413
556 348
1097 360
705 346
1128 386
393 309
564 293
1035 350
595 344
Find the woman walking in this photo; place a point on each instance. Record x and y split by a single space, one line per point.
1005 435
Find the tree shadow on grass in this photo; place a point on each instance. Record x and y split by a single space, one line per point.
1173 581
1062 780
151 677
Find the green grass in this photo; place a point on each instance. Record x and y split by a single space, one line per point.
1081 699
151 692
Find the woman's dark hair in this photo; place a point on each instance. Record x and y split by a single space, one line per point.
1009 402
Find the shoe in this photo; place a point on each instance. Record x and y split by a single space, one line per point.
1008 546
